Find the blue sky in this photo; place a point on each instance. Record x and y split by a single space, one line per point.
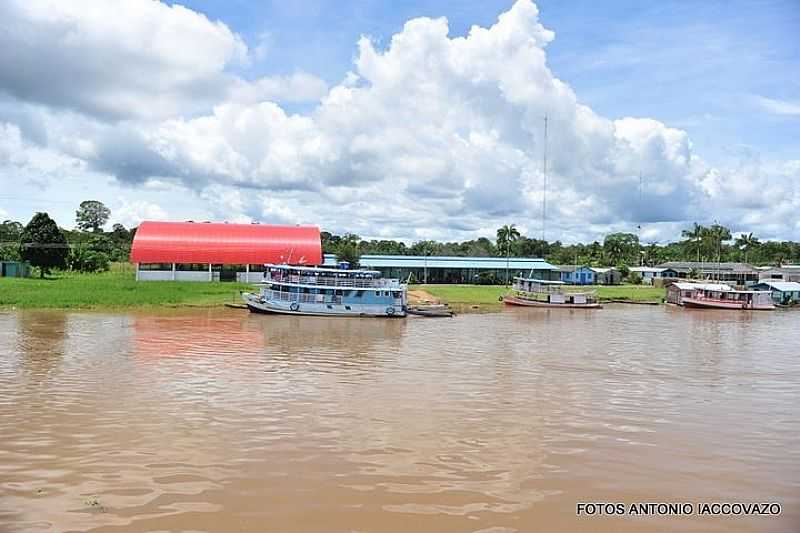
250 110
698 65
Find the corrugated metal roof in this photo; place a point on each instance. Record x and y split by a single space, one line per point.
204 242
781 286
443 261
571 268
708 266
647 269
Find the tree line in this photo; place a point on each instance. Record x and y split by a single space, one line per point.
699 243
88 248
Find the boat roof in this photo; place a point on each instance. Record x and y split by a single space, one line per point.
323 269
687 286
541 281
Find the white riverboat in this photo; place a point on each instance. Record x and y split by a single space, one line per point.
297 290
529 292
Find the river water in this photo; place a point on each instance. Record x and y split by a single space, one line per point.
219 420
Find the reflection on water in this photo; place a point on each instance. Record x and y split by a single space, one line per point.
223 420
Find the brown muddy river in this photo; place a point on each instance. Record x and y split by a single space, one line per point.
225 421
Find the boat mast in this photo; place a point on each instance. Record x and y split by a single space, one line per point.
544 182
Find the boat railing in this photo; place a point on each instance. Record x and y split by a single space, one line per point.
553 289
300 297
331 281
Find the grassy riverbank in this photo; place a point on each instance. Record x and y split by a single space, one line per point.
119 289
490 294
114 289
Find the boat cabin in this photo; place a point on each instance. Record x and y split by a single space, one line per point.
334 286
550 292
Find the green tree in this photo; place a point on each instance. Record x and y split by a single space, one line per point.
347 249
695 234
746 242
620 247
10 230
714 236
92 215
506 236
43 244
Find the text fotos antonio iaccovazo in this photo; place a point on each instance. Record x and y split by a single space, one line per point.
677 509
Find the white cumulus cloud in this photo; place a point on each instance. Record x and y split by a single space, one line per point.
431 136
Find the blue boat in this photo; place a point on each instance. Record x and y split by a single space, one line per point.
298 290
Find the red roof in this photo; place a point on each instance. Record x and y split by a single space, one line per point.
237 244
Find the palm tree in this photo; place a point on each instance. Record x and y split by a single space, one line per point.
695 235
714 237
746 242
505 236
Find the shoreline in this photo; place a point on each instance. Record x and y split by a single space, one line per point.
117 290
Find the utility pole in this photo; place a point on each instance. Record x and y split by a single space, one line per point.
544 182
639 226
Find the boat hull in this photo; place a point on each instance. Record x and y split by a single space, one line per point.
511 300
697 303
256 304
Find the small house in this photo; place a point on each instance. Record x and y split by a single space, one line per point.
783 292
14 269
649 274
607 276
782 273
576 274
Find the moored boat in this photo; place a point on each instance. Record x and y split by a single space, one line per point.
297 290
718 296
431 310
530 292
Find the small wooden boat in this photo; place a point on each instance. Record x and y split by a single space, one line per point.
512 300
530 292
435 310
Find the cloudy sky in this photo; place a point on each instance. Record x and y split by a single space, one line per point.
406 120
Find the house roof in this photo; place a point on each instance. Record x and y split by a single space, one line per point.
647 269
602 270
444 261
220 243
570 268
686 266
780 286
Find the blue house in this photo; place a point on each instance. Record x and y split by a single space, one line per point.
783 292
577 274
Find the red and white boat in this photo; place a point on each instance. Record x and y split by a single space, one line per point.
718 296
529 292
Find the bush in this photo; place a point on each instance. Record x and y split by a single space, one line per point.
635 278
488 278
85 260
9 252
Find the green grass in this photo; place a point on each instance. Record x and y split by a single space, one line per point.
490 294
115 289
